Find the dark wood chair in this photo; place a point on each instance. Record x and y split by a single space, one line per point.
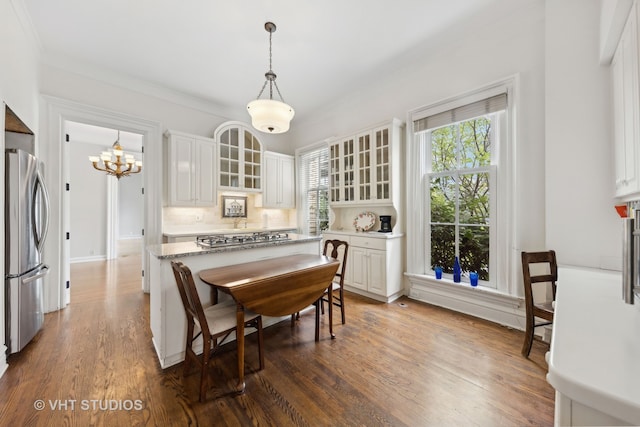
541 310
215 324
337 249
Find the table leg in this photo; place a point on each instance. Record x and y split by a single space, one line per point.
330 301
214 296
240 343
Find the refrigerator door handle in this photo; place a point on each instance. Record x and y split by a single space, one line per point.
40 235
43 272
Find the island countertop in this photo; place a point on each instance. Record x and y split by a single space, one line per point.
182 249
595 346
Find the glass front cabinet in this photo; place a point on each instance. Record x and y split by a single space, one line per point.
362 166
240 157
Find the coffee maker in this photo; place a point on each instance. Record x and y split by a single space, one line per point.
385 224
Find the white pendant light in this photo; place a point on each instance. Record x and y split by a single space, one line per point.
270 115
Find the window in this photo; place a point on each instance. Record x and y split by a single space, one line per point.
314 175
461 144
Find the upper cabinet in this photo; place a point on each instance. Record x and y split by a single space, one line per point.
191 178
626 110
240 157
279 181
365 168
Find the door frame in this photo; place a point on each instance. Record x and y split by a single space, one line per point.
54 151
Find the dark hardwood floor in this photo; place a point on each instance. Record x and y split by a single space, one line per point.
399 364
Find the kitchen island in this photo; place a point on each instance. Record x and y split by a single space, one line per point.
167 318
595 349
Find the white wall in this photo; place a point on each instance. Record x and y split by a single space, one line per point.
582 225
174 112
88 204
502 43
19 90
130 205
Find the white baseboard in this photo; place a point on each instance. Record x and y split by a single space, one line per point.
376 297
88 259
483 303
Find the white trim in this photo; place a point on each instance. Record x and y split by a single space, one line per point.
55 112
506 268
484 303
112 217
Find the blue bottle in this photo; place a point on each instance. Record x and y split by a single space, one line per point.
456 270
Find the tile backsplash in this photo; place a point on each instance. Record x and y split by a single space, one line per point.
257 217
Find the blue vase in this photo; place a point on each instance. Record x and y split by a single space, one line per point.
456 270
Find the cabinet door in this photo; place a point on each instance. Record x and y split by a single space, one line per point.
365 169
335 173
288 183
349 170
377 272
381 159
181 170
251 162
240 157
626 104
205 174
357 263
279 182
229 153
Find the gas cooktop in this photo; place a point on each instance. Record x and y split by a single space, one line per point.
217 240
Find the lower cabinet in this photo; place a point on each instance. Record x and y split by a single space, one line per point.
374 264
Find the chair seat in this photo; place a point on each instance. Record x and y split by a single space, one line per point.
546 307
223 317
334 286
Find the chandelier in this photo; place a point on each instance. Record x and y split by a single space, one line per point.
270 115
120 167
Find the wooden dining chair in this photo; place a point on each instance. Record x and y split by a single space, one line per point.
542 310
215 324
337 249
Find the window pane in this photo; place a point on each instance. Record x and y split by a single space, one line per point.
475 143
474 250
443 246
443 148
443 207
474 198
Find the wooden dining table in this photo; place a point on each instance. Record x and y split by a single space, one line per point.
274 287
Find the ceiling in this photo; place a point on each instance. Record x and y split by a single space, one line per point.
218 51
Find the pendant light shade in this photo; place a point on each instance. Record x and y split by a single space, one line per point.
270 115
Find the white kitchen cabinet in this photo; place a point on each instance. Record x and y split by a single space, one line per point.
374 264
191 178
626 109
279 182
240 157
365 168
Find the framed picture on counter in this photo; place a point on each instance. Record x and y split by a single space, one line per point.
234 207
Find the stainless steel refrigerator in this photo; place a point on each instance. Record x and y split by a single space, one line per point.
26 223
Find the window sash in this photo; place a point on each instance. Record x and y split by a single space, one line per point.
314 173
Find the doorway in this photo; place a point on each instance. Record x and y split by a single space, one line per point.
106 214
54 151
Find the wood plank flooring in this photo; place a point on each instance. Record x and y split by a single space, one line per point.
399 364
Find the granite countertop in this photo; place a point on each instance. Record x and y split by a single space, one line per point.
375 234
203 230
182 249
595 345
